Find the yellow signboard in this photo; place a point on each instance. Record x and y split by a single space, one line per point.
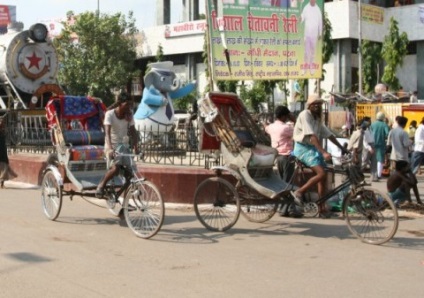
372 14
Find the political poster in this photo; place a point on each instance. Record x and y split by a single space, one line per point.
265 39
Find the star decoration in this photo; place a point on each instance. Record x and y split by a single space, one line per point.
34 61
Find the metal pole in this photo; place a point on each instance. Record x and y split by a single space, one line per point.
360 46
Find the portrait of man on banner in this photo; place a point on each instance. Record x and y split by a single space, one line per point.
312 20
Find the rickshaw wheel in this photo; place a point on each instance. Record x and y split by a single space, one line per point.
144 209
253 208
371 215
216 204
51 196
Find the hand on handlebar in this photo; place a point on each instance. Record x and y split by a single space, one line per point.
327 156
345 151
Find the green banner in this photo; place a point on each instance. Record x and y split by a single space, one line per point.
265 39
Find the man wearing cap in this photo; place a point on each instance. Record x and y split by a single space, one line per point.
118 124
380 131
309 132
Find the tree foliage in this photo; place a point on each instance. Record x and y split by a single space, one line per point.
97 54
393 51
371 58
327 40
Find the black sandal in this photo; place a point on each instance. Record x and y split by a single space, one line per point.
100 193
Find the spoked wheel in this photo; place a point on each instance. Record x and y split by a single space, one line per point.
216 204
51 196
144 209
371 216
310 209
254 207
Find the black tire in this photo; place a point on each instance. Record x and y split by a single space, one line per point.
144 209
254 207
216 204
51 196
371 216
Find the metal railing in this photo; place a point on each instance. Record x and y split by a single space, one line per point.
179 146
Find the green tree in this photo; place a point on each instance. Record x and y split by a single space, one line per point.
159 53
393 51
327 50
371 58
97 54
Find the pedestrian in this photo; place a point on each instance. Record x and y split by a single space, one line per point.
418 154
6 172
412 130
414 97
356 144
350 121
399 141
368 153
281 133
309 133
380 131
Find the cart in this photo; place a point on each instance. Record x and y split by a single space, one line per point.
79 164
246 183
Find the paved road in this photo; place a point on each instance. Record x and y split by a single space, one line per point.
88 253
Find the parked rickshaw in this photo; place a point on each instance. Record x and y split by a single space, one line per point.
79 164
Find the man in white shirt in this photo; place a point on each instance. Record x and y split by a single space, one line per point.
118 124
312 19
368 156
418 155
398 138
309 132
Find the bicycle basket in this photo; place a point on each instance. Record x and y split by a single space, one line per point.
355 174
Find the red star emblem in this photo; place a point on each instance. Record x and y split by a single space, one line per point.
34 60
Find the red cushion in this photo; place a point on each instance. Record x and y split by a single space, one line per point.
87 152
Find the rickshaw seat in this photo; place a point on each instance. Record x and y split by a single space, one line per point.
85 145
84 137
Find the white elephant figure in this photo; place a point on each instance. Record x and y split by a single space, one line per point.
155 114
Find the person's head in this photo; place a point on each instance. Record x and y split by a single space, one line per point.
414 123
125 102
401 121
314 104
364 124
422 121
368 119
380 116
281 112
312 2
402 166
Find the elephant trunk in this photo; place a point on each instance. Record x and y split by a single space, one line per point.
175 84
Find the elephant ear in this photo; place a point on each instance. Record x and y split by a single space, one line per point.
149 79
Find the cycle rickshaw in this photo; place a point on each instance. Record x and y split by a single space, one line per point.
247 183
78 165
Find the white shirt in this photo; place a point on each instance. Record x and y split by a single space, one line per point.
368 139
312 18
419 138
399 139
306 125
119 127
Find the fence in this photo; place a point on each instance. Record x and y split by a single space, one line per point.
178 146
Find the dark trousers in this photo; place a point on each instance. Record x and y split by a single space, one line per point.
285 165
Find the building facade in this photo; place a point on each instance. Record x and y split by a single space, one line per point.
184 42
